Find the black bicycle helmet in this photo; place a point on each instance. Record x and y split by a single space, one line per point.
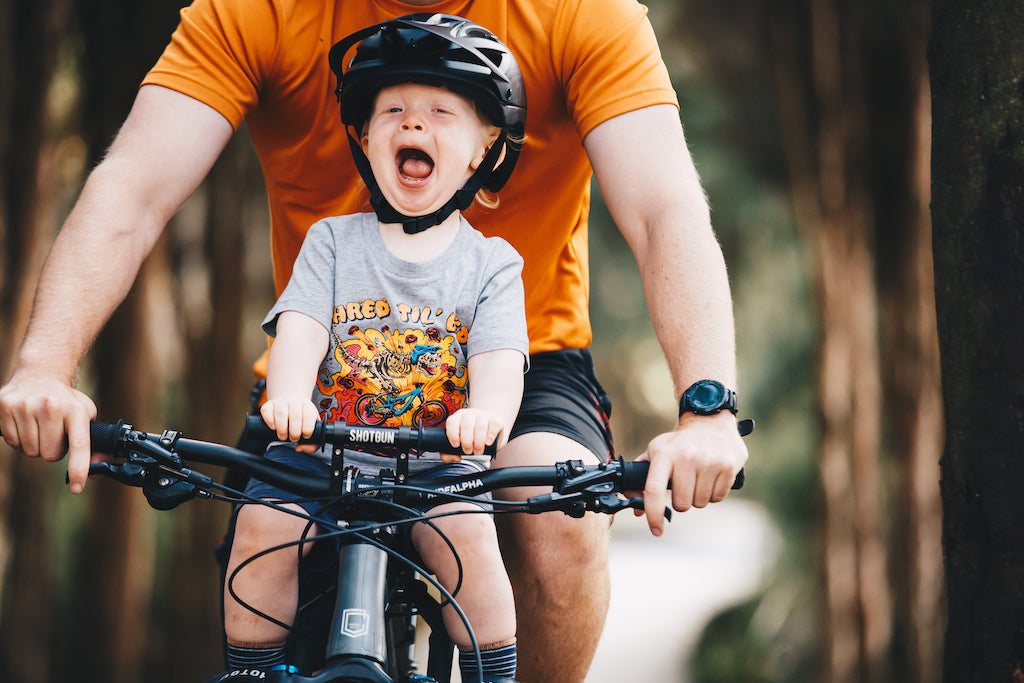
433 49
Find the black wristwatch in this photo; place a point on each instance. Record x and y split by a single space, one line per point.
707 397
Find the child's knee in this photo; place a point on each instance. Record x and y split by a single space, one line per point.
472 532
259 528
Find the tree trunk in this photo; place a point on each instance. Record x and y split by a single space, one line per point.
978 200
913 398
823 111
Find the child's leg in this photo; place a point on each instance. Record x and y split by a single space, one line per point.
485 595
269 584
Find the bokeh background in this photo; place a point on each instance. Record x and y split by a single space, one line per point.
809 121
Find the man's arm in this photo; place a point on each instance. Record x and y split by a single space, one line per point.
159 157
652 190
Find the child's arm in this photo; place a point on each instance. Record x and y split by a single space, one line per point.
295 356
496 390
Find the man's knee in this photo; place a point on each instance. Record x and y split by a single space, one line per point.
556 546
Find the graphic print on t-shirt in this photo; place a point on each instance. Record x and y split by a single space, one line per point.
392 377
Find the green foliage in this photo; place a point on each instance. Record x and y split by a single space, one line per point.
765 640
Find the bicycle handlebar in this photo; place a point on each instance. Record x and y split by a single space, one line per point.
166 452
171 451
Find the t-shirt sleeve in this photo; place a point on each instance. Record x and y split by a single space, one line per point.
500 318
609 61
208 58
311 287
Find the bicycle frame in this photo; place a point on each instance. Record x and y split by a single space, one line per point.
357 647
372 633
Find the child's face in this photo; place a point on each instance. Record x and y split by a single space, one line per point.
423 143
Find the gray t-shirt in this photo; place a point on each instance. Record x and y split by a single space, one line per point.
401 332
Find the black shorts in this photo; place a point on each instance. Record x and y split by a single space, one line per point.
562 396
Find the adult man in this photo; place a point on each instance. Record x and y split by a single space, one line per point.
599 102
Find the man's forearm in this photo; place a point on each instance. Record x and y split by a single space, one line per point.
657 202
89 271
687 291
159 157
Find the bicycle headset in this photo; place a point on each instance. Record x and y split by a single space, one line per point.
439 50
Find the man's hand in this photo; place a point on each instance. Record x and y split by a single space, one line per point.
46 417
700 458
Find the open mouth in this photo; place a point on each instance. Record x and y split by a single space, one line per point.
414 164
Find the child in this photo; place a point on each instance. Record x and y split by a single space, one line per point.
404 316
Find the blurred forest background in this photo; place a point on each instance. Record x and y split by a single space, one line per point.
810 123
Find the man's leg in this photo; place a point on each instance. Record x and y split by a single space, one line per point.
559 570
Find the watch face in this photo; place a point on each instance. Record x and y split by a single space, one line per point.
707 395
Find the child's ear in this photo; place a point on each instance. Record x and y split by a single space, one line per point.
475 164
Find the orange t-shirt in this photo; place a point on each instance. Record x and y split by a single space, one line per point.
583 62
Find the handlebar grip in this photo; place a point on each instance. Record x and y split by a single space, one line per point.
104 436
634 476
433 439
256 430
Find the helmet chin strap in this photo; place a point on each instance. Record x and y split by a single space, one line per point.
414 224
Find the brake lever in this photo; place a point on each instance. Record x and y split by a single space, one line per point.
610 503
159 449
165 489
571 504
129 473
578 503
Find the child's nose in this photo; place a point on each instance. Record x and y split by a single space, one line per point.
412 122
